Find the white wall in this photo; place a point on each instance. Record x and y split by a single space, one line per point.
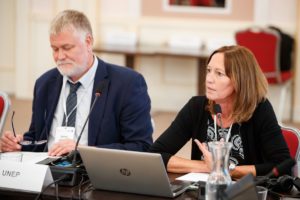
276 12
297 70
7 47
25 53
34 55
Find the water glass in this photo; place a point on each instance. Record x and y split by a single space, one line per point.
261 192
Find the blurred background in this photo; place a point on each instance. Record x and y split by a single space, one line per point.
186 29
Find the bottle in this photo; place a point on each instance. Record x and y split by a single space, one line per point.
219 178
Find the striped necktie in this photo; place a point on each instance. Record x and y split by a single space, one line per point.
71 104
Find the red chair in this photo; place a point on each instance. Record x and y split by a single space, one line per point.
4 107
265 45
292 138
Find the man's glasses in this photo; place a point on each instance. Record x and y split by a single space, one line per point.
25 142
12 123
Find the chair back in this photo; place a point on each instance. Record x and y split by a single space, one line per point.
4 107
265 45
292 138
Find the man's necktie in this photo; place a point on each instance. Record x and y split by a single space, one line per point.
71 105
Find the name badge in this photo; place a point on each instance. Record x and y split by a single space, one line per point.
64 133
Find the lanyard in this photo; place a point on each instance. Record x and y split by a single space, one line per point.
229 131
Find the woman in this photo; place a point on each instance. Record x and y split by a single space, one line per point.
235 81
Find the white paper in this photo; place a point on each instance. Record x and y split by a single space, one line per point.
194 177
33 157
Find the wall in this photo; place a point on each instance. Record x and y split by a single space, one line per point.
297 70
7 48
32 38
173 81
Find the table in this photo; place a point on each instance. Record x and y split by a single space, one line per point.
72 193
132 52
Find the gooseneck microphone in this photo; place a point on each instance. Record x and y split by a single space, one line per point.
99 89
70 169
218 111
244 189
282 168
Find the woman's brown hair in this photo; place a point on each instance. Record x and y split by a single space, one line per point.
248 80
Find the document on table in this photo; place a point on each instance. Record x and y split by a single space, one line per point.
35 157
194 177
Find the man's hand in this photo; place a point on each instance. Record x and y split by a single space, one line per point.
9 142
62 147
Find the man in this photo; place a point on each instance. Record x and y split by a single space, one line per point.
63 97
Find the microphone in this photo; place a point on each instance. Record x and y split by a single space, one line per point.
70 168
218 110
245 188
99 89
282 168
278 170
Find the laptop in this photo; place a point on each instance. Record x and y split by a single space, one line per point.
129 171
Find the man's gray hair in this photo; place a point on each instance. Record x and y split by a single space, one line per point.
70 19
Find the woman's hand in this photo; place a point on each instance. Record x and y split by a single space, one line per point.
206 154
183 165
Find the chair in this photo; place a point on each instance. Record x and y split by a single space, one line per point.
265 45
4 107
292 138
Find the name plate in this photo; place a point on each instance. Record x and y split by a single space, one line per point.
24 176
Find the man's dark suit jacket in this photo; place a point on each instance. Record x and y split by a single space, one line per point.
121 116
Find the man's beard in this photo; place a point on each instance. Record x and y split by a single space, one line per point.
74 70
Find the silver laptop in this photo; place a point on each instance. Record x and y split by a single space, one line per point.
129 171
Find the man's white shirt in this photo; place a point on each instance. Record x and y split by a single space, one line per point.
84 97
